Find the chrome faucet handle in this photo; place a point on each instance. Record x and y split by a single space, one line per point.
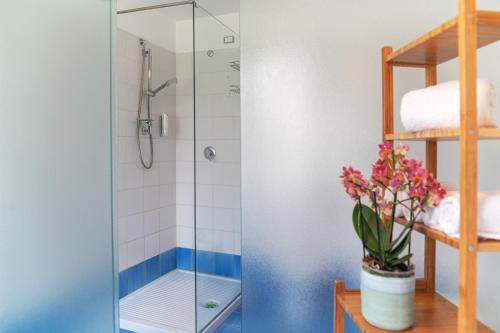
209 153
145 125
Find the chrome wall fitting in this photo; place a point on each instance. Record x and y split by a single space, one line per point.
209 153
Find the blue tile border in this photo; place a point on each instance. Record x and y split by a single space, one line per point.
185 259
168 261
145 272
214 263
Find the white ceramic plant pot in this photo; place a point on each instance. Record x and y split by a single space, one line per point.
388 298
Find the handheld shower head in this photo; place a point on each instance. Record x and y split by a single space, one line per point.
168 83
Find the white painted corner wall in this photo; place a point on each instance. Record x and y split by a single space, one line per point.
311 103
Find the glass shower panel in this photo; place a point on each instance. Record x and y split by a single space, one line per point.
156 247
217 166
56 249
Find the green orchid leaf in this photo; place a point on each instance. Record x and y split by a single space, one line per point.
407 226
371 222
362 229
396 250
365 222
400 260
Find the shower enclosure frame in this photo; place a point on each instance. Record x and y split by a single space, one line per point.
165 5
221 316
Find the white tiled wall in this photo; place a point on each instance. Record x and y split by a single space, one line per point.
218 125
146 198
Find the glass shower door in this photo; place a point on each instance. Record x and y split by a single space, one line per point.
217 167
56 241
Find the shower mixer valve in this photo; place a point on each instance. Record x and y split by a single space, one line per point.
145 125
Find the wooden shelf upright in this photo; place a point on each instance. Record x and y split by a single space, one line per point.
458 38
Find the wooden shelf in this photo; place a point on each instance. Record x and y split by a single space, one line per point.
441 44
458 38
484 245
433 313
445 134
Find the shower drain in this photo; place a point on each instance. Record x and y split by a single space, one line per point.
210 304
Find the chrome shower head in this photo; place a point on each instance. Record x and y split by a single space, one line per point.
168 83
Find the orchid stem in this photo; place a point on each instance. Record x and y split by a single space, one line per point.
377 219
412 219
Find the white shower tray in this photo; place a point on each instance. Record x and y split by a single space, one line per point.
166 305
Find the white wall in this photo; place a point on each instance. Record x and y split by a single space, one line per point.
311 102
146 198
209 32
151 25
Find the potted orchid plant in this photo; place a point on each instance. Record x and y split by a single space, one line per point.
397 185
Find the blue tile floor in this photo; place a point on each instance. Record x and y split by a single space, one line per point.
231 325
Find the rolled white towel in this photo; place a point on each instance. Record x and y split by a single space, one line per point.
430 216
427 216
439 106
489 215
448 215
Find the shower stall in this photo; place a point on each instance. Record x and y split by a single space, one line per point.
178 165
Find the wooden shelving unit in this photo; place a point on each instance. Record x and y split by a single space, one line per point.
433 313
445 134
459 37
441 44
483 245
